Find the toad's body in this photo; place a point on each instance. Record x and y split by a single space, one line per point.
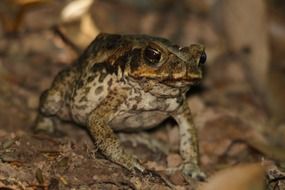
126 82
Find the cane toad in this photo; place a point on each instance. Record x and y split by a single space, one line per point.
130 82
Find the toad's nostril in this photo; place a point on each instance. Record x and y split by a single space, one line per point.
203 58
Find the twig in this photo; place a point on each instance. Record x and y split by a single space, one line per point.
57 31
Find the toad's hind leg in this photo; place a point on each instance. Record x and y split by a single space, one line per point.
103 135
53 101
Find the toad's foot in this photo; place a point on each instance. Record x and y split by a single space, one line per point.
193 171
47 125
126 160
44 124
190 171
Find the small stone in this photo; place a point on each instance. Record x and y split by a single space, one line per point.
173 160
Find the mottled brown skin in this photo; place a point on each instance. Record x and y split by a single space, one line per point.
128 82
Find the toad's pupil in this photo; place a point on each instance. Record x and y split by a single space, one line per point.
152 55
203 58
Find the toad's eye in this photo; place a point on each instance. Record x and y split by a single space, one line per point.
203 58
152 55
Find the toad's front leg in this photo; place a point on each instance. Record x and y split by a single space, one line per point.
189 149
104 136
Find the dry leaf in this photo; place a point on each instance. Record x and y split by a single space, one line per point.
12 12
79 10
242 177
269 150
75 10
29 2
244 27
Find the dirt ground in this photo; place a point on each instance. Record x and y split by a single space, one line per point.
230 115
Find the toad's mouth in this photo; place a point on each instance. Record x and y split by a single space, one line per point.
171 81
182 82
